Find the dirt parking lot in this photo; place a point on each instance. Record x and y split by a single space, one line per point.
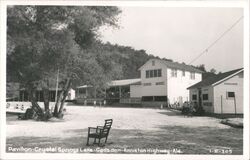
134 130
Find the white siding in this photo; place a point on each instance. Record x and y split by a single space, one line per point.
177 86
153 89
71 95
234 84
135 91
174 87
208 104
193 92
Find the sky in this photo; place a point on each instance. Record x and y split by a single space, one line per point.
181 34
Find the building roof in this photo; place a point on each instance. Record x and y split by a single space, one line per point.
124 82
115 83
176 65
216 79
85 86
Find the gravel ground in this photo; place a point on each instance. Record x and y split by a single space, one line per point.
132 127
124 118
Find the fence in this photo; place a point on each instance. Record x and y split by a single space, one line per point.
130 100
92 101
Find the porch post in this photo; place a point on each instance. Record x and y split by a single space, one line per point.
77 92
105 93
120 92
86 92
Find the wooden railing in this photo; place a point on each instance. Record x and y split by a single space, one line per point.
130 100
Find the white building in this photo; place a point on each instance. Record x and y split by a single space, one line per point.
162 82
167 81
221 94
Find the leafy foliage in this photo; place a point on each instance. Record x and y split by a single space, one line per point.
129 59
206 73
42 39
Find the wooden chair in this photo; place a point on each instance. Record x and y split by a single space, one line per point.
100 132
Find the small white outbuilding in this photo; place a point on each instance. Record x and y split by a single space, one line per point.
220 94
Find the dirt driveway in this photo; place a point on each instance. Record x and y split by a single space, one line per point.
134 131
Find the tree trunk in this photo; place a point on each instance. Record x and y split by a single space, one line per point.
46 101
55 114
64 96
61 99
35 107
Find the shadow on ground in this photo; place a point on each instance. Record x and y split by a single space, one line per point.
171 113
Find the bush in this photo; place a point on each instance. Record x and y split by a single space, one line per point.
192 108
199 111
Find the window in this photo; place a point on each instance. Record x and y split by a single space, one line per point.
147 98
160 98
159 83
146 84
174 73
183 73
153 63
153 73
159 72
204 96
154 98
147 74
192 75
241 76
194 97
230 94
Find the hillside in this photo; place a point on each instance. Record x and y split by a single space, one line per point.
131 60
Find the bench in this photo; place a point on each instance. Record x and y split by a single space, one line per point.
99 132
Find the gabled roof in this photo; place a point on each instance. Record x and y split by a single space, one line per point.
176 65
216 79
124 82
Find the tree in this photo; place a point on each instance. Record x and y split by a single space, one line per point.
201 67
213 71
42 39
206 74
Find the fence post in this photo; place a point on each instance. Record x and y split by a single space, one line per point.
221 104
